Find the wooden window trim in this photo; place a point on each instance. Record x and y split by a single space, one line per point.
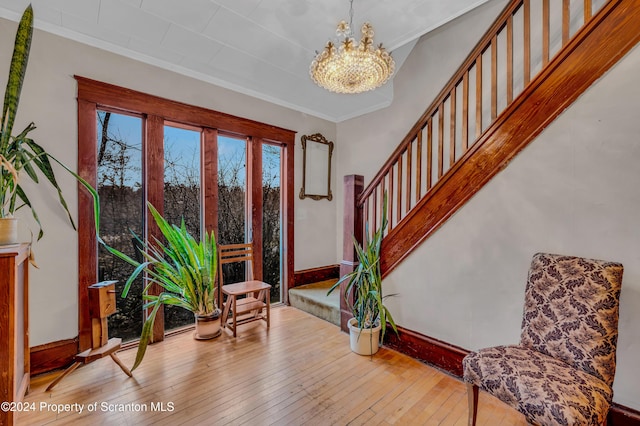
94 95
108 95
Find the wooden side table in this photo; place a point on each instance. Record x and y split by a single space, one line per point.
246 309
14 326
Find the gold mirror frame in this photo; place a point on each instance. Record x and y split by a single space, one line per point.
311 157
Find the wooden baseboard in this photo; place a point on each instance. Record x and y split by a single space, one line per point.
53 356
314 275
449 358
619 415
427 349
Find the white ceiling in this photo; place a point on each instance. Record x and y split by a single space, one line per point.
262 48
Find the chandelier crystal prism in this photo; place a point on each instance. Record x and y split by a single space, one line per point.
352 67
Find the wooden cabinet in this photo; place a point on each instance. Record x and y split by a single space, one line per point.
14 326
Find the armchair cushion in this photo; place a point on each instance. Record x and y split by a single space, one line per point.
546 390
571 312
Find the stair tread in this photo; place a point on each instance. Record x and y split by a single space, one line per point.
318 293
312 298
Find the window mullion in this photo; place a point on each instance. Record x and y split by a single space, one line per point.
153 165
255 201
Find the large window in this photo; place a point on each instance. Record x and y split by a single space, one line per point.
214 171
119 178
233 227
182 195
272 218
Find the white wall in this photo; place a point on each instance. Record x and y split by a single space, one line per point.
49 99
574 190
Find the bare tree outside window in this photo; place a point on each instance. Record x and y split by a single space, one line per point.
232 199
182 192
271 219
121 199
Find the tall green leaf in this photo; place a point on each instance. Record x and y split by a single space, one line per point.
17 71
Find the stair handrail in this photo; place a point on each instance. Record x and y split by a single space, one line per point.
461 78
467 64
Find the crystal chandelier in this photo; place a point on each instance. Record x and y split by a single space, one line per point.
352 67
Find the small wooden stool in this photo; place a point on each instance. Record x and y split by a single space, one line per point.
102 303
258 298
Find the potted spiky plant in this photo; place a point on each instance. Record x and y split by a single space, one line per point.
363 293
185 269
19 154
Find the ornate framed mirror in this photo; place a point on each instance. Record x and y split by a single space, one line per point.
316 167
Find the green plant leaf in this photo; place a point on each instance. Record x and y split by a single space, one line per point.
45 167
147 330
17 71
90 189
20 193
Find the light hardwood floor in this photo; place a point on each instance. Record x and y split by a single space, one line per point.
299 372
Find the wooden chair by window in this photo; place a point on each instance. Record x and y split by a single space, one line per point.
245 300
562 371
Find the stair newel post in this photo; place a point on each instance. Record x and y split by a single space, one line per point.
352 227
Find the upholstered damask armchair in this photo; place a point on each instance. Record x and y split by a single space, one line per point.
562 371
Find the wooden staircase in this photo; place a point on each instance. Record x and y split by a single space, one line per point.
536 59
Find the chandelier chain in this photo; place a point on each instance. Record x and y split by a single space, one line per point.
350 17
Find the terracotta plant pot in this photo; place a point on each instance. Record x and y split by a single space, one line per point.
8 230
207 326
364 341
